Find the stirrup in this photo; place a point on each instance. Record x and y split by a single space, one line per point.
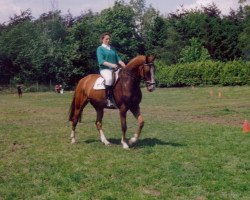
110 104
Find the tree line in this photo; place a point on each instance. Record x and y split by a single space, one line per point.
62 48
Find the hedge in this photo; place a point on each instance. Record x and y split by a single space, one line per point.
203 73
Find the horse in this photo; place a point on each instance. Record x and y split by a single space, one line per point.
127 95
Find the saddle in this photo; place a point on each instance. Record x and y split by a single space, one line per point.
99 83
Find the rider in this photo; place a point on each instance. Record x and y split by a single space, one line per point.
108 61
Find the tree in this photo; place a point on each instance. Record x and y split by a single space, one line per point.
24 16
80 49
194 52
120 22
144 19
156 36
63 48
244 39
139 8
14 38
15 57
172 45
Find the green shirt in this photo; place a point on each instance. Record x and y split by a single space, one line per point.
104 54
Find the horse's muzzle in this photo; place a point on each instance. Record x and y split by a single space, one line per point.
150 86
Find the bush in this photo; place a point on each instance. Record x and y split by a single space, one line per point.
203 73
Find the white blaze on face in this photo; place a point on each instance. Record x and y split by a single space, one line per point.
152 74
152 87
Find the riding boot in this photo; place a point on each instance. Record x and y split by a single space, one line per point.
109 96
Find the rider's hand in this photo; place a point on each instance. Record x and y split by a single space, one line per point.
118 67
114 66
122 64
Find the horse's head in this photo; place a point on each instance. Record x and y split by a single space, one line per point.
143 67
147 70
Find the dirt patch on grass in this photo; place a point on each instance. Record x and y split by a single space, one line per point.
218 115
152 192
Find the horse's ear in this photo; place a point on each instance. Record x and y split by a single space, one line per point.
150 58
153 58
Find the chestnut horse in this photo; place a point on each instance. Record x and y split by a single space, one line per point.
127 95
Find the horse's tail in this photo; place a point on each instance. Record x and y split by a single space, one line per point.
72 108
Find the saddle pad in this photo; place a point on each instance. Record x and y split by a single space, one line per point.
99 84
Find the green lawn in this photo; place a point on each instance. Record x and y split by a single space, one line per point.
191 147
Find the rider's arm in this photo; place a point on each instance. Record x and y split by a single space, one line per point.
108 64
119 60
101 59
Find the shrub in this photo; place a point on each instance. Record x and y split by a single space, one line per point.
203 73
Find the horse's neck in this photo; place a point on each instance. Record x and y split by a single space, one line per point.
129 79
131 75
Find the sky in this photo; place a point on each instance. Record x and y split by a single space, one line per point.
76 7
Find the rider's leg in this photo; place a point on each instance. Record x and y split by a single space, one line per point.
109 96
108 77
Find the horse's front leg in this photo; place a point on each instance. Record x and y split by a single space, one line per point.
123 115
73 132
136 112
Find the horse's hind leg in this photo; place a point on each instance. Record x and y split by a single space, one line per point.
77 114
98 123
137 114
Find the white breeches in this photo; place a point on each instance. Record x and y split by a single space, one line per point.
107 74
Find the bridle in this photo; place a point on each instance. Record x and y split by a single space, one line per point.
148 83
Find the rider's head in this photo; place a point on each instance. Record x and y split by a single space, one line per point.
105 38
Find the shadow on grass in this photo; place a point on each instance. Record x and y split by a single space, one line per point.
154 141
146 142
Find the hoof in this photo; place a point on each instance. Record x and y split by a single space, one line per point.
73 141
125 145
132 140
107 143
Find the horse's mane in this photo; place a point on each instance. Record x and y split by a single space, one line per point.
136 61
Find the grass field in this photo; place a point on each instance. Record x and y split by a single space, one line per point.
191 147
